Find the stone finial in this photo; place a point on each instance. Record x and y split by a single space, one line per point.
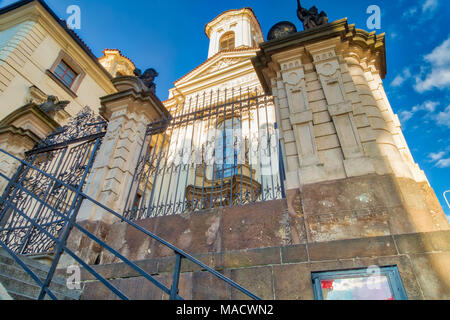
311 18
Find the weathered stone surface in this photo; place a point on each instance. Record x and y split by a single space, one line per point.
369 247
4 295
256 280
294 254
347 225
249 258
120 270
293 282
254 226
97 291
423 242
432 272
204 282
349 194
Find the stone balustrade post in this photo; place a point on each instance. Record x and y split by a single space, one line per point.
129 112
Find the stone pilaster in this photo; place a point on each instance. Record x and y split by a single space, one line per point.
128 112
340 107
296 120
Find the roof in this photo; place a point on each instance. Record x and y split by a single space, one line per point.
214 56
120 54
62 23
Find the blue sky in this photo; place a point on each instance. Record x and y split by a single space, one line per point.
169 36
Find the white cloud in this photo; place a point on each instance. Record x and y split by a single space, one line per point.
443 118
401 78
429 5
436 156
405 116
428 106
443 163
411 12
439 62
424 12
439 160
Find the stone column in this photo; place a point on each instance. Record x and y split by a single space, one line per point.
296 121
129 112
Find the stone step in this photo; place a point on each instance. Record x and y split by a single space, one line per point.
20 296
32 264
21 286
26 289
58 283
38 268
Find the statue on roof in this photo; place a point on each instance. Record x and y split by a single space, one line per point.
311 18
148 78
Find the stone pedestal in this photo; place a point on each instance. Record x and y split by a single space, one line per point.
129 112
336 125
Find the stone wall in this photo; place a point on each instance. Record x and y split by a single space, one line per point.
285 272
271 248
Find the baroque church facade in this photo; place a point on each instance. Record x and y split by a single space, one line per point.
276 169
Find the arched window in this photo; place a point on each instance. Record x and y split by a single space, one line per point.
227 42
226 151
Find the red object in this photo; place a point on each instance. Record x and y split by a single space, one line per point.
327 284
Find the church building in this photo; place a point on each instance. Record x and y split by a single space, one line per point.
276 169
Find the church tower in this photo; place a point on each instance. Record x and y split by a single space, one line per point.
234 36
233 29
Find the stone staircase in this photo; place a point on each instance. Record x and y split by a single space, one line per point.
20 286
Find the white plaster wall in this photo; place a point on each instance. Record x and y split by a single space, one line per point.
27 68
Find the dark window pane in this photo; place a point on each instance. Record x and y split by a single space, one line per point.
65 74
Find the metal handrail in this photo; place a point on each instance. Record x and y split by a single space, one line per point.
173 291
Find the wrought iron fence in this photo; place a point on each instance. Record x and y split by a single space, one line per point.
67 154
69 222
218 149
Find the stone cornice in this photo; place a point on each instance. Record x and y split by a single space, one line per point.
19 132
27 109
131 95
351 39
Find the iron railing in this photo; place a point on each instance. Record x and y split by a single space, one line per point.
217 149
69 222
68 154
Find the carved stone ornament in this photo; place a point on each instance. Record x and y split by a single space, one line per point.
52 106
147 78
